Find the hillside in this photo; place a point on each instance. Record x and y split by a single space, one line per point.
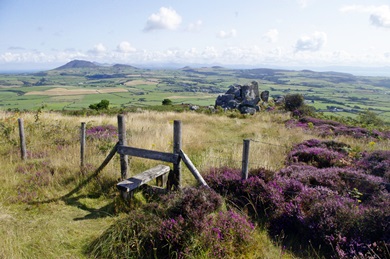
333 93
47 199
77 64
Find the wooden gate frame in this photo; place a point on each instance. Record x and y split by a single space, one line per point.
126 186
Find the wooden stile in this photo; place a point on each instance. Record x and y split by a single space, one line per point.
136 181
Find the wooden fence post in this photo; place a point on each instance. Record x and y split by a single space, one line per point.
176 150
245 159
122 142
82 145
192 168
23 151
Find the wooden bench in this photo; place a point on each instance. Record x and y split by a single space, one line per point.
160 173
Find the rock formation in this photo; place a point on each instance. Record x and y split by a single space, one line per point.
245 98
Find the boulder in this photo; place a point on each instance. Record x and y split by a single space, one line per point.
264 96
245 98
247 110
194 107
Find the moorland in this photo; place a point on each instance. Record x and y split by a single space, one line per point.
317 188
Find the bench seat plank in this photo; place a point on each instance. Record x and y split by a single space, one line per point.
134 182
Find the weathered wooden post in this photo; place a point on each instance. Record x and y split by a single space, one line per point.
82 145
122 142
176 175
192 168
23 151
245 159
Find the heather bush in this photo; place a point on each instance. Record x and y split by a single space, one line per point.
324 197
103 132
328 218
244 193
36 174
346 181
224 180
226 234
332 128
319 153
176 225
194 204
376 163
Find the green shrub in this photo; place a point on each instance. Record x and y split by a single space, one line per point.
369 118
293 101
166 102
102 105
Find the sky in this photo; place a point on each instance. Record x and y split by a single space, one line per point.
44 34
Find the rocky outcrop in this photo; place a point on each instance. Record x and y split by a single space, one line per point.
245 98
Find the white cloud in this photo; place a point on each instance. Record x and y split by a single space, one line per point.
358 8
255 55
271 35
166 18
125 47
378 15
98 49
225 35
303 3
16 48
195 27
312 42
381 17
40 57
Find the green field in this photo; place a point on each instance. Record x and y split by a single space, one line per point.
77 88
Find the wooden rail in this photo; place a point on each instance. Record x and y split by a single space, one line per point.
149 154
136 181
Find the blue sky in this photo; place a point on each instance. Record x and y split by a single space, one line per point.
39 34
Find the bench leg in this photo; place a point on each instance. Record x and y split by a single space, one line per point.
162 180
127 196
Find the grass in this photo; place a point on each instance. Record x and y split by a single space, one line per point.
40 219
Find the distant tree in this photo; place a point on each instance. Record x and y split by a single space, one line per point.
102 105
166 102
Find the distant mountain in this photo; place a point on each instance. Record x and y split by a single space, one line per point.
122 66
87 64
77 64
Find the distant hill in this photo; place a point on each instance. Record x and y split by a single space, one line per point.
77 64
122 66
87 64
